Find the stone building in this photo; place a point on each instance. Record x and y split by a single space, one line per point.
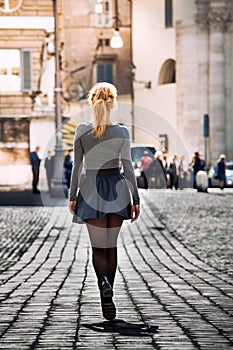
27 114
185 49
22 35
175 66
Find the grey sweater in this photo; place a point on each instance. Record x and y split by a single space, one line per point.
104 153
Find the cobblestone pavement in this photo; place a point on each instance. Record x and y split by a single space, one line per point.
174 287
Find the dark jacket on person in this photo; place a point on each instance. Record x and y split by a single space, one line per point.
197 166
49 165
221 167
34 159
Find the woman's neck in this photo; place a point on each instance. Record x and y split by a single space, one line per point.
108 120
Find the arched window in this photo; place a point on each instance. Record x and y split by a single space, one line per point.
167 74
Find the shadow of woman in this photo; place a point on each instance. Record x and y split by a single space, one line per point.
122 327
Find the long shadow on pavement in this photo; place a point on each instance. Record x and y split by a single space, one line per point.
27 198
122 327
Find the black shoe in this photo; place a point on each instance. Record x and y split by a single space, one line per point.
105 287
36 192
108 308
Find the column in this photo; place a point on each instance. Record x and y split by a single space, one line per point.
219 18
216 93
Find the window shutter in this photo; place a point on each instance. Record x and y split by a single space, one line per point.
168 14
105 72
26 70
109 73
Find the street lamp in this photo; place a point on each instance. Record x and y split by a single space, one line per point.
58 188
116 41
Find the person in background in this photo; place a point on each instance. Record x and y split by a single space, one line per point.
221 168
172 173
181 173
156 172
35 163
167 168
145 162
49 166
68 167
197 166
202 161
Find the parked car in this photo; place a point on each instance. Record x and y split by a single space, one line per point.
137 151
213 182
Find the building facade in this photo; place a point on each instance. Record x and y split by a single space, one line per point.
185 49
174 68
27 70
23 30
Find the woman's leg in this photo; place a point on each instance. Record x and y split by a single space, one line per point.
221 184
103 236
114 223
97 230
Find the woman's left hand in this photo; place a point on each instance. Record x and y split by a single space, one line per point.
72 206
135 212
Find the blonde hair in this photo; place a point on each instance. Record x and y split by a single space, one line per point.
101 97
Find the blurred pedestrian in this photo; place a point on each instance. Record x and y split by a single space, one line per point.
145 162
156 172
68 164
49 167
202 161
35 163
167 168
197 166
104 198
221 171
181 173
172 173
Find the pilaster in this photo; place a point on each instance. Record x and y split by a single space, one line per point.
214 18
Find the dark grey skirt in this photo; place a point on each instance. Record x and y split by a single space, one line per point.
102 192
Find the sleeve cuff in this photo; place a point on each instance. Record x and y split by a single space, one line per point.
136 201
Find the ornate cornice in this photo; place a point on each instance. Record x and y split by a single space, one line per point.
210 17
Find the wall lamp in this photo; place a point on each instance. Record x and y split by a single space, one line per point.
147 84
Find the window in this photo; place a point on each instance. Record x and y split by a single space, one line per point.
167 74
26 70
15 70
12 130
168 14
103 42
105 72
104 19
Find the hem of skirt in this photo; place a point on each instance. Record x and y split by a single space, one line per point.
78 220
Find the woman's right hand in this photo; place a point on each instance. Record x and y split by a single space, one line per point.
72 206
135 212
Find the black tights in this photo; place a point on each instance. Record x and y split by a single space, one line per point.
103 236
105 262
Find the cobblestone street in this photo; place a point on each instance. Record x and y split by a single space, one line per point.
174 285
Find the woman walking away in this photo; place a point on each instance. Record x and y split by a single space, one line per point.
104 197
221 166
